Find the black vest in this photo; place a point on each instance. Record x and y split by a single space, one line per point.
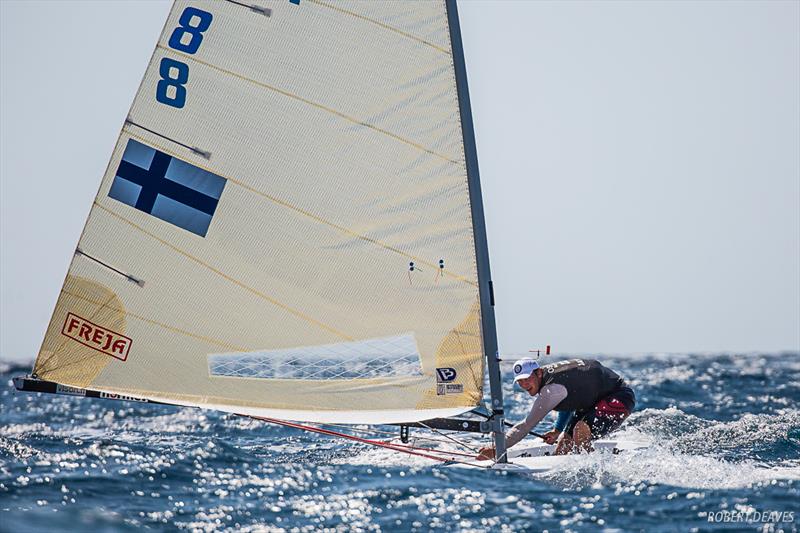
586 380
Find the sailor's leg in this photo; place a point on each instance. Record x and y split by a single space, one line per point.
566 444
582 437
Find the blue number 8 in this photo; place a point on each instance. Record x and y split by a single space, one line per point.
167 81
185 27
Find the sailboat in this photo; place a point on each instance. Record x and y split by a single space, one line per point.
290 227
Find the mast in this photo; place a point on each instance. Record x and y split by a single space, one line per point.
479 232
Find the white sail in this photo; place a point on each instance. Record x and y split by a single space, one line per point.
290 183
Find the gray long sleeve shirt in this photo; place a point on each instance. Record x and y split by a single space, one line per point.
548 398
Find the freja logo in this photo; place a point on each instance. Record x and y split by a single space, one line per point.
96 337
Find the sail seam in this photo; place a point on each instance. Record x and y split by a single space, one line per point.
317 218
173 329
313 104
273 301
382 25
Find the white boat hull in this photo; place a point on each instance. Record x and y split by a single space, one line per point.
539 458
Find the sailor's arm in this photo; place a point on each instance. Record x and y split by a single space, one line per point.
548 398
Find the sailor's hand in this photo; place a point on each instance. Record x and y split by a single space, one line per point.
486 453
551 436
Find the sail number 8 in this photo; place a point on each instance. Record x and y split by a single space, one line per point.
186 28
171 88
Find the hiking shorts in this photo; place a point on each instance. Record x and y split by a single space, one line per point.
607 414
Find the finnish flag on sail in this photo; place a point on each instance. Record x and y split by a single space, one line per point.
167 188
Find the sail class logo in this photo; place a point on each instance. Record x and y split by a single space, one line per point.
96 337
445 374
167 188
444 381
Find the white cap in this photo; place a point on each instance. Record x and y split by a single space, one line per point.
524 368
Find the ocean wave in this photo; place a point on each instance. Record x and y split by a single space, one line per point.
721 428
662 465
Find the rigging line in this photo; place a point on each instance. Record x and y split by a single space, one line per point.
507 424
407 446
313 104
316 218
382 25
392 434
364 432
433 450
448 437
359 439
431 439
273 301
372 432
504 455
202 153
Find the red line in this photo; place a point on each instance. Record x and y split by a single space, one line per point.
351 437
395 447
431 450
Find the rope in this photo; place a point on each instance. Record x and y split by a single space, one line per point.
448 437
395 447
393 434
416 438
364 432
410 447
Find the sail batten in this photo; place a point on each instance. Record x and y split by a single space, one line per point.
292 193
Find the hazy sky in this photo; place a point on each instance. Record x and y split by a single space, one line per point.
640 164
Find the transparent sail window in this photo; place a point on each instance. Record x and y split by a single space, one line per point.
396 356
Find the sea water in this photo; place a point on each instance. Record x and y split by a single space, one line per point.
724 455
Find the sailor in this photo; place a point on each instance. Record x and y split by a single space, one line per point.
596 397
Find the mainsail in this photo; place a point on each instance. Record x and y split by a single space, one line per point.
286 227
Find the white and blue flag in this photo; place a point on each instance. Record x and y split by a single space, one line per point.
167 188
